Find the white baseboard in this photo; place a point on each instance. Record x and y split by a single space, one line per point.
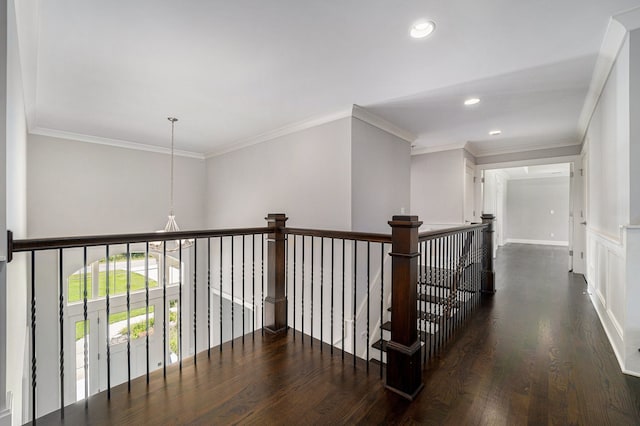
539 242
5 415
615 339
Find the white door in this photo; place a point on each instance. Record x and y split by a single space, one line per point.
469 192
579 220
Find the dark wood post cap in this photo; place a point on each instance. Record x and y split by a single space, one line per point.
405 222
275 217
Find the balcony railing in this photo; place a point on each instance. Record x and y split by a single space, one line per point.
100 302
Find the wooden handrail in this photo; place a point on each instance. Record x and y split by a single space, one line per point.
429 235
36 244
345 235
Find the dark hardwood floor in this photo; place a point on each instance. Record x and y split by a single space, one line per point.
533 354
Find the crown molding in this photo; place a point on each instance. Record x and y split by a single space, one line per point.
282 131
440 148
525 148
609 50
479 152
368 117
630 18
40 131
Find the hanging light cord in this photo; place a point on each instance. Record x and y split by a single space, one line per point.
173 122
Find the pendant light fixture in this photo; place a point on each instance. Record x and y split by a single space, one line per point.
171 225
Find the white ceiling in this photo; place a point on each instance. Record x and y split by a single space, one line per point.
231 70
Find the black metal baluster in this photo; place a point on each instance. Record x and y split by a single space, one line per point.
286 279
447 254
343 273
262 290
243 286
128 317
232 295
432 325
321 293
421 292
450 256
220 294
61 320
195 301
332 280
209 297
355 285
253 286
146 290
165 309
302 291
34 365
368 294
422 317
455 299
438 290
445 266
294 287
180 302
84 329
453 258
312 262
381 300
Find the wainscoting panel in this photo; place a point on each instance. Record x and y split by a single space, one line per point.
606 278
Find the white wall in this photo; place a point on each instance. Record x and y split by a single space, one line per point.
16 220
77 188
608 147
613 240
631 236
538 210
381 173
437 187
3 205
306 175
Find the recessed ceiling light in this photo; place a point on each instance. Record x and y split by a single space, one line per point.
495 132
422 29
471 101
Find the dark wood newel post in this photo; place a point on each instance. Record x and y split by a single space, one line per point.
275 302
488 274
404 368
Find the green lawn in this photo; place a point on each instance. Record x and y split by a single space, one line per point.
117 284
119 316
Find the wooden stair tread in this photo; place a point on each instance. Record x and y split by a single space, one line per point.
380 344
436 299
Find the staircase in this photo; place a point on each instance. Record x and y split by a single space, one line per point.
443 299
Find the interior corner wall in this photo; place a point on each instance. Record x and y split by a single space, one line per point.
306 175
79 188
538 210
16 210
437 187
381 176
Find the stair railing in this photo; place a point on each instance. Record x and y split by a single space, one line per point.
435 278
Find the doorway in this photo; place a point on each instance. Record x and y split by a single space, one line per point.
532 204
